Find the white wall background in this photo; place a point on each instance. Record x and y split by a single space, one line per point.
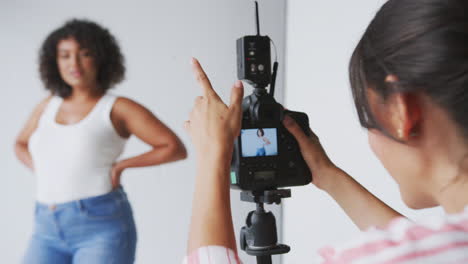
158 38
321 35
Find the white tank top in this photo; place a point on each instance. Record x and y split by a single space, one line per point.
73 162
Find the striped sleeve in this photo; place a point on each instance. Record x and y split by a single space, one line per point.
212 255
438 240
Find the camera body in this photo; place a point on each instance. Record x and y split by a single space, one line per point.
266 156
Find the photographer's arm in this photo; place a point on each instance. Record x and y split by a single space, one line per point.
365 209
360 205
213 126
211 222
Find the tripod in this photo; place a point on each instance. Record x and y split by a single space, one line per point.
259 238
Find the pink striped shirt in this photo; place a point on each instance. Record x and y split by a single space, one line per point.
435 240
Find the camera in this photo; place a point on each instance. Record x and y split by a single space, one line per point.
266 156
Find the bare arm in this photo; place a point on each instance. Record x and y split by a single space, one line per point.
134 119
213 126
364 209
267 142
22 140
211 222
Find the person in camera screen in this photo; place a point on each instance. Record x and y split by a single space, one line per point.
261 142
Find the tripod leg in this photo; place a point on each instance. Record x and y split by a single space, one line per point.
264 260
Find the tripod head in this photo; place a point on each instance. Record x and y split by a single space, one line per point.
259 237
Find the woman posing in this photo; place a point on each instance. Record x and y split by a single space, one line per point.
72 142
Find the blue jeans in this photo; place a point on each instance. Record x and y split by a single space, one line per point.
95 230
260 152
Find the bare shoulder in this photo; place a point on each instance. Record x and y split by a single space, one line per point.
31 123
133 118
126 107
39 109
42 105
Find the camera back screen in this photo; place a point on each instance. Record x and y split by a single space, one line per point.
259 142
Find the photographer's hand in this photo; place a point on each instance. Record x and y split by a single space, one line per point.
360 205
314 154
213 127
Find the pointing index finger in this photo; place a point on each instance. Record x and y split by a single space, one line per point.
202 79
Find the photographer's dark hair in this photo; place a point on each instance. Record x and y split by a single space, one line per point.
422 42
100 43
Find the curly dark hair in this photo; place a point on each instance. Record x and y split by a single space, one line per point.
100 43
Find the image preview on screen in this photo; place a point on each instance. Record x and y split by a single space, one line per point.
254 144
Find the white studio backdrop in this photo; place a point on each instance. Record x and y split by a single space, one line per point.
321 35
158 38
